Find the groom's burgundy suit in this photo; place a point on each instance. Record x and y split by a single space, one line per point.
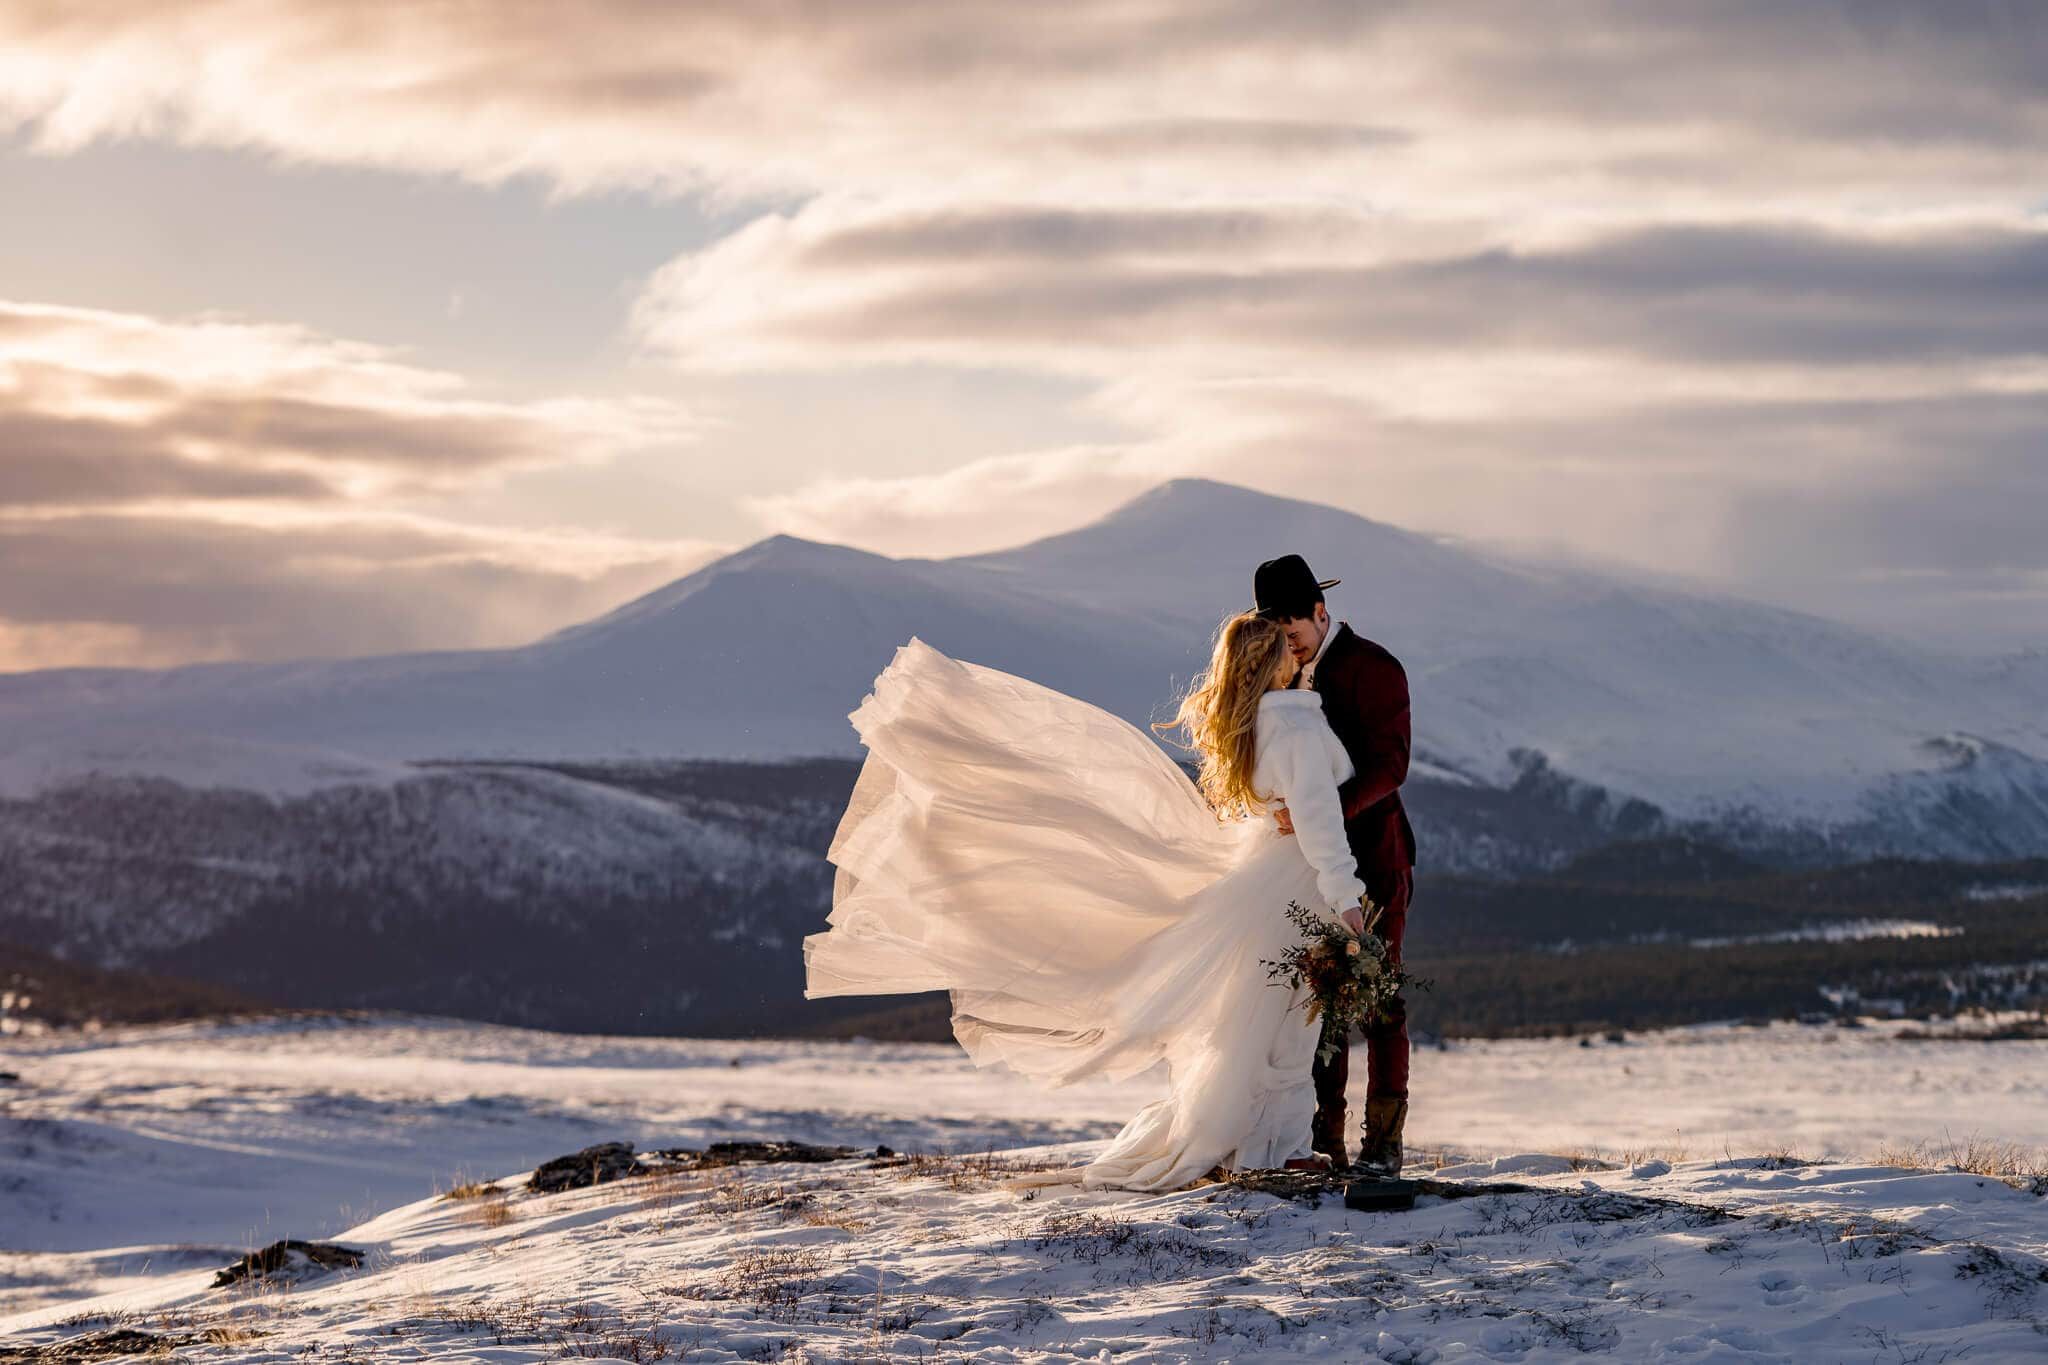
1364 692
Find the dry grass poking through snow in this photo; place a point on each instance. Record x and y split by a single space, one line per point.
473 1189
2018 1165
573 1331
160 1331
490 1212
965 1172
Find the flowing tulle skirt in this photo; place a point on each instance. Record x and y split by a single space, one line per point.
1052 868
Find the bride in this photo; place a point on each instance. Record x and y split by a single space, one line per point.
1091 910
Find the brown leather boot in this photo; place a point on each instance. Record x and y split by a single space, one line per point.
1326 1132
1326 1135
1380 1153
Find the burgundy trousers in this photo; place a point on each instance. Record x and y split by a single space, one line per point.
1386 1039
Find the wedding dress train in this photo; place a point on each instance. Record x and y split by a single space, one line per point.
1052 868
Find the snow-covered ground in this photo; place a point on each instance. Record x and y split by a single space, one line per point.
139 1160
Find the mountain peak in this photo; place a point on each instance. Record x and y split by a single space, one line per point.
778 553
1207 536
1196 498
783 550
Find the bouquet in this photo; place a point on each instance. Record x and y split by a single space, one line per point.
1349 979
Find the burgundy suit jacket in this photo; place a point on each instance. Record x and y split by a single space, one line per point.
1364 692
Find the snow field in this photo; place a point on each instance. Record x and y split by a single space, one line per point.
141 1160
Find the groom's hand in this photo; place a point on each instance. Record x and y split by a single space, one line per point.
1285 820
1354 920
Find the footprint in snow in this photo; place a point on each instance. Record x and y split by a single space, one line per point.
1780 1289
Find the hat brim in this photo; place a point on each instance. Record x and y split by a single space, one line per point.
1320 585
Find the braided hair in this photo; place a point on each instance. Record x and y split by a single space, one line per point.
1219 715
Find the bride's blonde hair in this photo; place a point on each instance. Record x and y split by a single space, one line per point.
1221 709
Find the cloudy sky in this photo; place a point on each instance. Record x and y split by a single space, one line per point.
343 326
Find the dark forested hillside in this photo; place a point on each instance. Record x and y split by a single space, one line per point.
1698 939
36 988
651 896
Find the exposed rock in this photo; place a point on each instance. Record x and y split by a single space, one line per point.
290 1259
609 1161
754 1153
594 1165
123 1341
120 1343
1307 1186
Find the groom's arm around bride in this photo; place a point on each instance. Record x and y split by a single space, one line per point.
1364 692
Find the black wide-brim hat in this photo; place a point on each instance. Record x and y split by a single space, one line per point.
1286 586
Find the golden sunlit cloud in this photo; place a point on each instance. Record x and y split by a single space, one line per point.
252 409
237 488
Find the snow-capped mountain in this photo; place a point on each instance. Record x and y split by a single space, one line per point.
1712 710
547 835
1697 703
759 655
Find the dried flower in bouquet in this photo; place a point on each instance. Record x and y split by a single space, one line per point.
1349 980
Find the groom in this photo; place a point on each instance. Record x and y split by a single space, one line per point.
1364 694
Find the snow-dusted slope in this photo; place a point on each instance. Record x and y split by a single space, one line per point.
759 655
1712 709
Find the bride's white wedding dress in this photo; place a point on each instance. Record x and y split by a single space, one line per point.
1051 867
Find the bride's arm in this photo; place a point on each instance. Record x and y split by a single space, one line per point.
1302 767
